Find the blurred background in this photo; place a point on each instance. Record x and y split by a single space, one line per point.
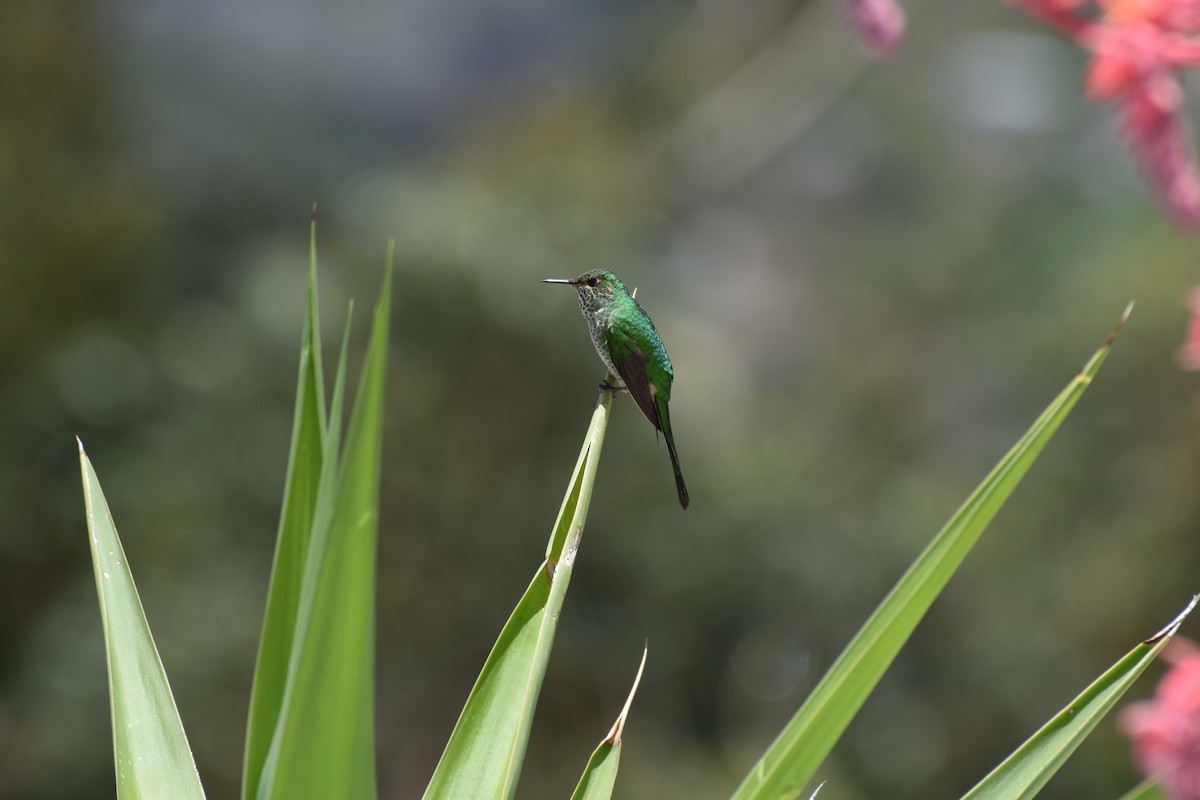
870 277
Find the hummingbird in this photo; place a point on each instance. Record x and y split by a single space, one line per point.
629 345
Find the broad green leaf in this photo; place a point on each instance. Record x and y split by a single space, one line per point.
324 743
600 774
1025 772
483 757
291 544
804 743
151 750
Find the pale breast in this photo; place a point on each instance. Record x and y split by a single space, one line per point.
598 322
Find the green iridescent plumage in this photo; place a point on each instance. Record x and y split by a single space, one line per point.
629 345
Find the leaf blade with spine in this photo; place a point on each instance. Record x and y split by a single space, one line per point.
1026 771
150 749
324 743
301 487
484 754
793 758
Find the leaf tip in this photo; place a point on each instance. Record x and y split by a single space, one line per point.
614 735
1173 626
1112 337
79 442
820 786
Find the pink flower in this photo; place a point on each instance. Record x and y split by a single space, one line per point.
1165 731
1137 47
1159 138
878 23
1124 55
1179 15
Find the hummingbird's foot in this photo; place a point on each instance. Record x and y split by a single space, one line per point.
605 386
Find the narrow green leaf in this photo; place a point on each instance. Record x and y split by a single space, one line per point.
291 544
600 774
324 744
483 757
1146 790
150 748
1025 772
804 743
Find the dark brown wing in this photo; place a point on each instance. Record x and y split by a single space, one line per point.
631 365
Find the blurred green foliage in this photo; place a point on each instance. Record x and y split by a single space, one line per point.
873 275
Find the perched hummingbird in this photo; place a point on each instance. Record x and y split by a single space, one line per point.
629 345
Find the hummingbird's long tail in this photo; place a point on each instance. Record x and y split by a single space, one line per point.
664 417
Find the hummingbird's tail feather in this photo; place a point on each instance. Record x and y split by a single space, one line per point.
664 417
680 487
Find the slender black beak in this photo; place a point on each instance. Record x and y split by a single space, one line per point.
559 280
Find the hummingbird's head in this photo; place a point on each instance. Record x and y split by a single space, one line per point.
597 288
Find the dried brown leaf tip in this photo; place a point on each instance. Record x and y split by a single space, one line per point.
1112 336
614 735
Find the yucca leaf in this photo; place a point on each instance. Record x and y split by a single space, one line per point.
291 543
324 743
600 774
1021 775
793 758
483 757
150 748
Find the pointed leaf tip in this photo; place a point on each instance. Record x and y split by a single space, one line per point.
820 786
614 735
1035 762
150 747
1112 337
1172 627
79 442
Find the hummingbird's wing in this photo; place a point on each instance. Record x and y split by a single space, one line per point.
631 366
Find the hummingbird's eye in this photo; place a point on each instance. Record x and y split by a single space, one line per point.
593 281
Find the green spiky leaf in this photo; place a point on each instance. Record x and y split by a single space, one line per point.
483 757
798 751
291 544
1025 772
324 741
150 748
